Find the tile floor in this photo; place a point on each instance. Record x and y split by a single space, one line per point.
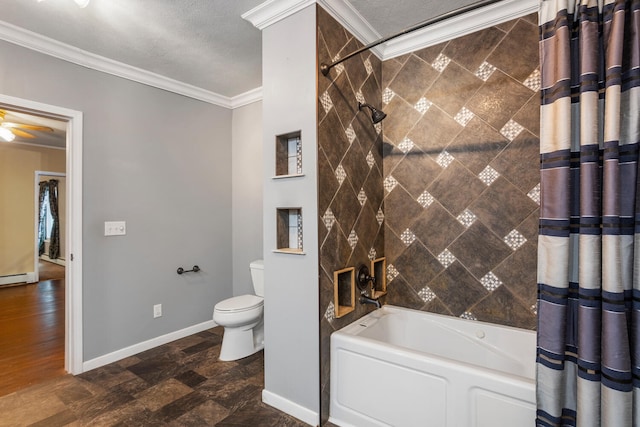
177 384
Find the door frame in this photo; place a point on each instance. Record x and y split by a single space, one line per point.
73 356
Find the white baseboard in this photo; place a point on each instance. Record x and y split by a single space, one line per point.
59 261
145 345
285 405
17 278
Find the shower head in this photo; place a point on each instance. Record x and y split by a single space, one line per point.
376 115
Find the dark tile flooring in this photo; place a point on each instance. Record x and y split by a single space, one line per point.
181 383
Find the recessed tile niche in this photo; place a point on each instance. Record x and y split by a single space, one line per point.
288 155
344 296
289 230
378 268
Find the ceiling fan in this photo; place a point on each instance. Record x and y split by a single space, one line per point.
9 130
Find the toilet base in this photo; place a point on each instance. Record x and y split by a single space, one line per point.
241 342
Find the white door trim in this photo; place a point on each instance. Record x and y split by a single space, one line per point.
73 282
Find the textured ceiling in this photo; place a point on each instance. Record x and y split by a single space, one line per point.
204 43
389 17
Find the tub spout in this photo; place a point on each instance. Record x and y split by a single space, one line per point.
368 300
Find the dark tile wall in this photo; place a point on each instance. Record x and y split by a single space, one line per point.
349 174
461 177
447 187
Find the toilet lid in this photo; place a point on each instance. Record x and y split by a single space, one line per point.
240 303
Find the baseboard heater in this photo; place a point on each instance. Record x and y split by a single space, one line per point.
12 279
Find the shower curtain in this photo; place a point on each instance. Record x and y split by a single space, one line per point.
588 371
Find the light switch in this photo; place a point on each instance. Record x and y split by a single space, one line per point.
115 228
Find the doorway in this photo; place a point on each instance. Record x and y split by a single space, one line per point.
72 253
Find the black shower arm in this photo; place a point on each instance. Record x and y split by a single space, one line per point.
324 68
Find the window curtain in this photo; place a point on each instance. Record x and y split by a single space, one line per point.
54 239
588 353
42 211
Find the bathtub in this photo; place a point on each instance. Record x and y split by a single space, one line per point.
400 367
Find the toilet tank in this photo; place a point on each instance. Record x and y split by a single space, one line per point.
257 276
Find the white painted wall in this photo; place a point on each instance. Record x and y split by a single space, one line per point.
246 184
161 162
291 281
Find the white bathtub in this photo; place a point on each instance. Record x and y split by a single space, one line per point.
400 367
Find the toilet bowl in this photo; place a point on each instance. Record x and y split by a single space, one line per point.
242 319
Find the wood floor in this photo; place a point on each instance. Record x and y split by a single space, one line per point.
32 331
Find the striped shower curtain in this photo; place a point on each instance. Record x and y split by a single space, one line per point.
588 269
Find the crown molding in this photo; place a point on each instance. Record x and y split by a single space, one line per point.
249 97
51 47
272 11
458 26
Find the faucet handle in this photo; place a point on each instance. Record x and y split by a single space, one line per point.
364 278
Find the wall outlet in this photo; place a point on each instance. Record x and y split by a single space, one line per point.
157 311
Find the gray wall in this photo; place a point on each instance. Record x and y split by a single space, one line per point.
246 179
291 281
161 162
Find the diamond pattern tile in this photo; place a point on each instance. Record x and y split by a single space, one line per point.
406 145
407 237
353 239
380 217
467 218
484 71
464 116
423 105
330 312
441 62
360 97
392 273
362 197
341 175
446 258
468 316
448 108
490 281
444 159
514 240
426 294
351 134
387 95
368 66
534 194
488 175
533 82
425 199
511 130
329 219
390 183
326 102
370 159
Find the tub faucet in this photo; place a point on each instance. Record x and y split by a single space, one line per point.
368 300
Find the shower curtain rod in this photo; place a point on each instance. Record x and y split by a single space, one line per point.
324 68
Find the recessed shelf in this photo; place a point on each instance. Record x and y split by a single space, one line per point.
289 230
287 176
379 271
344 294
289 251
289 154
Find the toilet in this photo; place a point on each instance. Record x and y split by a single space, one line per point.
241 317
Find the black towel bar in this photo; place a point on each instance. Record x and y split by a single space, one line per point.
195 269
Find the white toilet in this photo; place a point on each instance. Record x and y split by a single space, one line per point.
241 317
